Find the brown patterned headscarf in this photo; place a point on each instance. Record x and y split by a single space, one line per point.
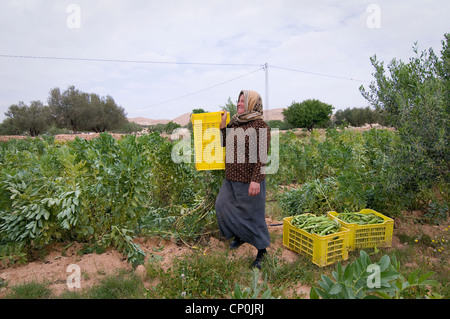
253 108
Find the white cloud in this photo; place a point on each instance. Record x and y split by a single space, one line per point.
327 37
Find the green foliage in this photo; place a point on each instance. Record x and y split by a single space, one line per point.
118 286
71 109
230 107
197 276
102 190
282 125
414 97
21 118
256 290
445 70
122 239
363 279
308 114
85 111
190 215
357 117
129 127
313 197
12 253
164 128
437 212
30 290
197 111
345 170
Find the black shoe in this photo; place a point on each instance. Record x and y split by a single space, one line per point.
236 243
259 258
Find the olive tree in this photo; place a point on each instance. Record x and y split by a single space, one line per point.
414 96
83 111
21 118
308 114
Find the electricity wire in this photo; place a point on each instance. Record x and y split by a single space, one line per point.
123 60
261 67
318 74
173 63
205 89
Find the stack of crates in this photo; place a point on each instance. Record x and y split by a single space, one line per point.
209 153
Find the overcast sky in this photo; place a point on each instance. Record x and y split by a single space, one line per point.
213 48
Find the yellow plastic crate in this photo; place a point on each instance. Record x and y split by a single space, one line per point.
208 150
368 236
321 250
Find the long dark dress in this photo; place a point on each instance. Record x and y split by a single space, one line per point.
242 215
239 214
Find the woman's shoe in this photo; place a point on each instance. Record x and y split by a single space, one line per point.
236 243
259 258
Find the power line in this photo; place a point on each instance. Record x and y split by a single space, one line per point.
261 67
319 74
172 63
123 60
205 89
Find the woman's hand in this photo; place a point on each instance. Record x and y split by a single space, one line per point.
223 123
253 189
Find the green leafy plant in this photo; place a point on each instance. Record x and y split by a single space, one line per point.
122 239
411 285
437 212
313 197
101 190
414 96
363 279
255 291
13 253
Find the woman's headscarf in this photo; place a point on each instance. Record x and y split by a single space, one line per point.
253 108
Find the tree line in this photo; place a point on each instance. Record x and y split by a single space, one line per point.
313 113
71 109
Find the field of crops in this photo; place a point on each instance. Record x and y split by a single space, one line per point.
108 193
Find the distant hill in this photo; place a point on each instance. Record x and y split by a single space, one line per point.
182 119
273 114
146 121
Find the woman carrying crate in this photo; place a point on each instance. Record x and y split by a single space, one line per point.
240 205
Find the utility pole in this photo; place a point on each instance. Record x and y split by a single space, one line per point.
266 68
